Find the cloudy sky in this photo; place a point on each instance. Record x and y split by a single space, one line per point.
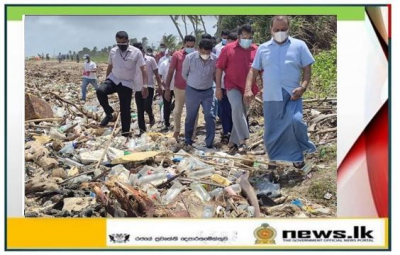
49 34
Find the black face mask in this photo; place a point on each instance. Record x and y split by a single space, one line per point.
123 47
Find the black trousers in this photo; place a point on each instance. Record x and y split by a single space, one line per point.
144 105
168 108
125 97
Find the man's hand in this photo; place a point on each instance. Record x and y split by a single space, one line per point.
167 94
145 92
218 94
159 91
248 97
297 93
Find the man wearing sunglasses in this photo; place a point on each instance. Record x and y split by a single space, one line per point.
286 62
123 61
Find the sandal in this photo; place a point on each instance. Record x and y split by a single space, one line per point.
242 148
299 165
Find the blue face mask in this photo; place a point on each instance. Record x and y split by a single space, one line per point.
189 50
245 43
224 41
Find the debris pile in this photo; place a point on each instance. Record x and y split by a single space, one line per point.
74 168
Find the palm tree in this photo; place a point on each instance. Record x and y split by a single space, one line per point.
169 41
175 21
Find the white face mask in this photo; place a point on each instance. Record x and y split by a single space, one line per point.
205 56
280 36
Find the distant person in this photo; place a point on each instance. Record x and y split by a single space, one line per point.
89 75
224 107
145 104
285 79
59 57
47 57
77 58
163 68
224 41
161 54
149 52
123 62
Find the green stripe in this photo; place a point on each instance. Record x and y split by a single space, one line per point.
16 12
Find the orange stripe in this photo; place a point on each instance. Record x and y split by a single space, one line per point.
56 233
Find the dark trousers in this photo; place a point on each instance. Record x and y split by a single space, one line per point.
125 96
144 105
225 113
168 107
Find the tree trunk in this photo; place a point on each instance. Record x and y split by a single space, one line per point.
177 27
202 22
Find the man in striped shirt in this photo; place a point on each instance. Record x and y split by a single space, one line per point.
199 73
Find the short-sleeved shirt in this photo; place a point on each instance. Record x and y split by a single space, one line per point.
282 65
218 48
236 62
89 67
125 65
199 74
177 63
163 68
151 65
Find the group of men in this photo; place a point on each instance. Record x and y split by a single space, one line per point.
222 79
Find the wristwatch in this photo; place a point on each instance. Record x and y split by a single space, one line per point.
145 86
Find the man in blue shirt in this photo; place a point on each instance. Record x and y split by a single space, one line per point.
199 73
286 63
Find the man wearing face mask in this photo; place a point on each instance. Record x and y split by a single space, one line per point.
123 61
161 53
286 62
235 60
179 83
224 41
89 76
199 71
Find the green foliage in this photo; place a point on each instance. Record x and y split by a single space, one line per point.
324 74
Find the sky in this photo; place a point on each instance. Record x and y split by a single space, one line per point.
54 34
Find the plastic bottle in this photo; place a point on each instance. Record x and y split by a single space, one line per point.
107 132
65 127
216 193
221 180
201 173
55 134
146 170
233 189
68 148
152 178
251 210
200 191
132 144
153 194
105 190
133 179
172 193
208 211
70 162
82 178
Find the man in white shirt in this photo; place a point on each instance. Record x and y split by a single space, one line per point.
89 75
145 104
123 62
224 41
163 70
